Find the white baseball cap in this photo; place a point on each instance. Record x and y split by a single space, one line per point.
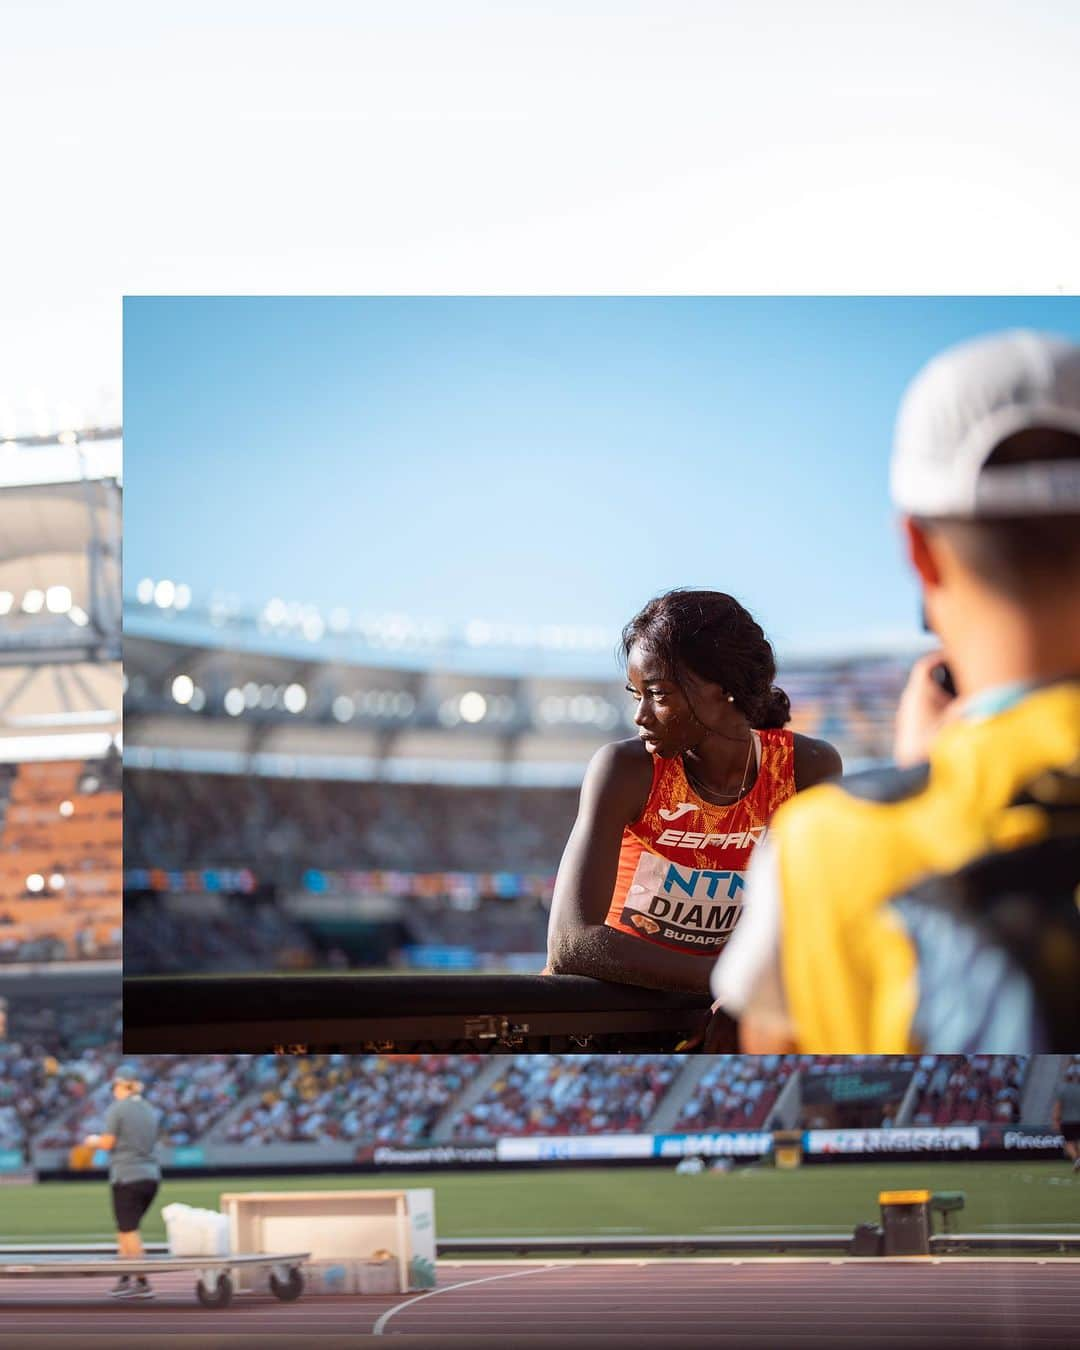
962 405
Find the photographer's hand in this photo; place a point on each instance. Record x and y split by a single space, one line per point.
924 709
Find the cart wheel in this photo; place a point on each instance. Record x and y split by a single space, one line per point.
218 1297
287 1290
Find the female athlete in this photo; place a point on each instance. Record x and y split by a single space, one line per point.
650 884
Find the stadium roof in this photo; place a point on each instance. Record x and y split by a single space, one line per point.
51 519
60 620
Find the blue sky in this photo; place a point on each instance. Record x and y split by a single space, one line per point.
534 460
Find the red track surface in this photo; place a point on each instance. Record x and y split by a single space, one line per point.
809 1305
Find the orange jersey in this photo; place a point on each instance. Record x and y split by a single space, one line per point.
682 863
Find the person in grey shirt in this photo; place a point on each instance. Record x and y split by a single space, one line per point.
130 1133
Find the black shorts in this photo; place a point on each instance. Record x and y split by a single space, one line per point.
1071 1130
130 1201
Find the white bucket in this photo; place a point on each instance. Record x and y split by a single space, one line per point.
196 1232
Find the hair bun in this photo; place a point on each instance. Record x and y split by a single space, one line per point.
776 709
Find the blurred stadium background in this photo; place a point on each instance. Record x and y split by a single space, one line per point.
309 789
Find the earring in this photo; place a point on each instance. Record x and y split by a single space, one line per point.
731 698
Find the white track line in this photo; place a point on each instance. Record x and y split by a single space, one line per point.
377 1329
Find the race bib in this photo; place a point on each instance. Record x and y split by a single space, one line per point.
691 907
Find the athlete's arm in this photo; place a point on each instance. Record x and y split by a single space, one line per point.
615 790
102 1141
815 761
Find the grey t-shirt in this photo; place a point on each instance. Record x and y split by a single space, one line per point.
134 1122
1069 1097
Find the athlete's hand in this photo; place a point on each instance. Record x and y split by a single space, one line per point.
923 710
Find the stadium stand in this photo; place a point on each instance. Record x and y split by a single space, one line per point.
737 1092
374 1098
57 1047
60 862
227 935
569 1094
297 837
54 1088
192 1093
978 1089
280 828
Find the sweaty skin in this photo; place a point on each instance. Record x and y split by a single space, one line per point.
713 738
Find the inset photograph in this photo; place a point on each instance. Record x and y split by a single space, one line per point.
581 674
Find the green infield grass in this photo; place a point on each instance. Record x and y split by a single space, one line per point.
1023 1196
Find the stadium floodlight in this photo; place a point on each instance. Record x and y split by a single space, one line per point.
78 616
58 599
198 700
251 694
314 628
164 594
295 698
404 703
56 881
183 596
343 708
234 702
449 714
144 591
183 688
67 808
473 706
35 883
268 696
33 602
6 602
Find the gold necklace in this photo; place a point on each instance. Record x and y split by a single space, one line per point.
698 785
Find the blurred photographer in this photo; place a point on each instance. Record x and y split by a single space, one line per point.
933 905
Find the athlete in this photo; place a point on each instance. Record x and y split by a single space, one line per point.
651 881
932 906
131 1128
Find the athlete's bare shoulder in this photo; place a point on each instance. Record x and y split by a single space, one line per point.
621 773
631 752
815 761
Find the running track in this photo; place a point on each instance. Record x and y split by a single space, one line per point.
807 1305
